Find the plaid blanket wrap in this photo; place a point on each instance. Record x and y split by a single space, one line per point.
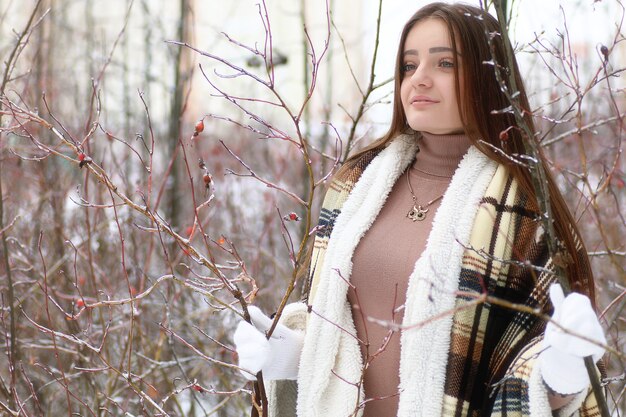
460 355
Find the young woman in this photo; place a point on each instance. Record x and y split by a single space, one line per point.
415 231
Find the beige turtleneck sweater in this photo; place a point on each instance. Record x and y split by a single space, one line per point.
384 260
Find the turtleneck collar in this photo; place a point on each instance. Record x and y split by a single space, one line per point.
439 155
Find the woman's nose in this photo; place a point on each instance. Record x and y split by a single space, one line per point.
421 77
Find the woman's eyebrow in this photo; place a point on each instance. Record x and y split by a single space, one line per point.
438 49
433 50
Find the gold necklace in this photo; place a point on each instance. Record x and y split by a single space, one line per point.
417 212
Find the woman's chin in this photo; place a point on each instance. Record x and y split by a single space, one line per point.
433 130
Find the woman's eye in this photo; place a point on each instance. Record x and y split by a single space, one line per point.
446 63
408 67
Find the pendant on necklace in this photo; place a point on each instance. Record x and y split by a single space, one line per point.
417 213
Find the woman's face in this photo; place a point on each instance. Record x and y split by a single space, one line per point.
427 90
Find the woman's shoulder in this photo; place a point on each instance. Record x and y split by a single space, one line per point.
356 164
353 168
344 180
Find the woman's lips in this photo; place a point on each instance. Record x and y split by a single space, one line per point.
419 100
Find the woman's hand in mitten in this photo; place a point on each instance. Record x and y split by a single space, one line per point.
562 362
277 357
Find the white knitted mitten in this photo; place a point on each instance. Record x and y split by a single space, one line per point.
562 361
277 357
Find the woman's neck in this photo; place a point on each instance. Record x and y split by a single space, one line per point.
439 155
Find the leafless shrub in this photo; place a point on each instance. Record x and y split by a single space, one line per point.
130 256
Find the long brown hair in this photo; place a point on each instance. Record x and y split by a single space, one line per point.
470 28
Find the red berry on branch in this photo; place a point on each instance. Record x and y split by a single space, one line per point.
291 217
605 53
207 178
197 388
80 303
199 126
504 135
83 160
